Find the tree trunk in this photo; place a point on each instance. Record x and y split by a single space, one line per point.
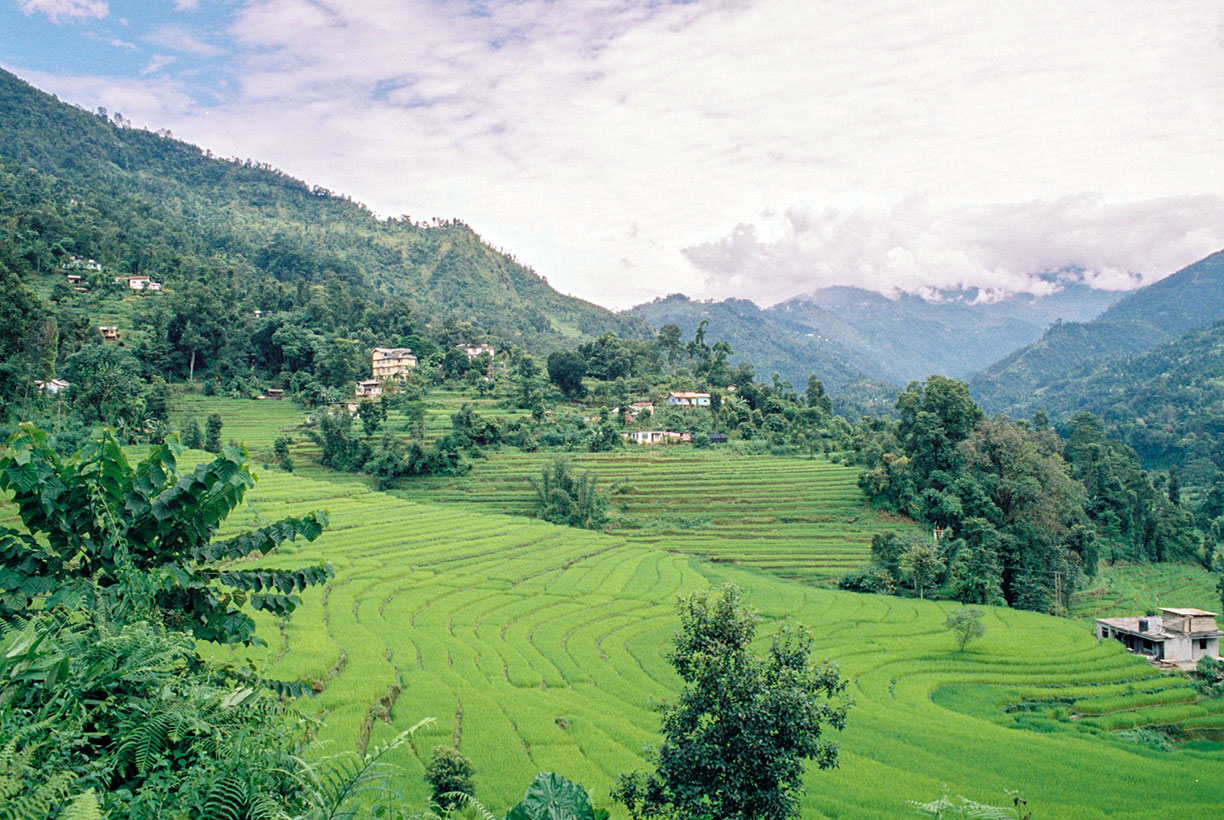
191 368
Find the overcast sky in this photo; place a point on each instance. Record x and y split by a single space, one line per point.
751 148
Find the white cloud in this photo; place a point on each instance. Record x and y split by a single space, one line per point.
597 139
186 5
58 10
918 248
181 40
156 63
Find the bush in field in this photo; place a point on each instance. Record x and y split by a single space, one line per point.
965 624
449 774
191 434
870 578
565 498
737 737
280 451
212 433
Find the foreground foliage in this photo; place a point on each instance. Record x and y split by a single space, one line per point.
737 736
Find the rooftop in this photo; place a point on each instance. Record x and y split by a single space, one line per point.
1155 628
1193 613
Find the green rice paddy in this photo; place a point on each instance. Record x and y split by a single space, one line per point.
540 648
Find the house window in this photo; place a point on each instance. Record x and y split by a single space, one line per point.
1202 643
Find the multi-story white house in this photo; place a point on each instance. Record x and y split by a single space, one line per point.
392 362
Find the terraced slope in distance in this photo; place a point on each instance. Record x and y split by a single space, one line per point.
541 647
796 517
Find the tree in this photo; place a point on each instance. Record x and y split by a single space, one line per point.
212 433
93 519
191 434
738 735
280 451
921 564
449 775
966 624
565 498
372 415
565 370
669 344
816 395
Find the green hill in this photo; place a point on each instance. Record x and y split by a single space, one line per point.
75 182
1167 403
1189 299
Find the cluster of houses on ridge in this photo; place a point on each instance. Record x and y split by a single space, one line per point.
74 266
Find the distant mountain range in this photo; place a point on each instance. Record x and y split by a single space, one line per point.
1029 378
845 334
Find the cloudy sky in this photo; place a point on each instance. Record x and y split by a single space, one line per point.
757 148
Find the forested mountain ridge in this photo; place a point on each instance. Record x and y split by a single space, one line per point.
140 202
1189 299
846 334
1167 403
761 342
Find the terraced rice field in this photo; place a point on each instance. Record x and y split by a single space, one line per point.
539 647
795 517
1133 589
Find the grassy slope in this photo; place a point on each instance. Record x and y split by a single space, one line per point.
499 626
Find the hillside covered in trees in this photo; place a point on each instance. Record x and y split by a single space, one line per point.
1190 299
79 183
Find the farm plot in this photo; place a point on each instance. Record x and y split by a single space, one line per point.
539 647
799 518
1133 589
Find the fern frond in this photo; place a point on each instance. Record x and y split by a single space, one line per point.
84 807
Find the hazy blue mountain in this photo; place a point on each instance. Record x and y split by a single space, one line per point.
846 335
1189 299
956 333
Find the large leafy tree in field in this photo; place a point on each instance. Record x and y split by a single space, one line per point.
737 737
93 519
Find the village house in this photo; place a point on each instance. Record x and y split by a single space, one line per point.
638 407
392 362
472 351
139 282
1178 637
80 263
110 333
658 437
688 399
273 393
73 278
52 386
369 389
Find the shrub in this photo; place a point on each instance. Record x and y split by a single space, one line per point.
449 774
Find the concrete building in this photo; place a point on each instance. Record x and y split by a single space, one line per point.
658 437
472 351
52 386
392 362
369 389
140 282
688 399
1176 637
110 333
